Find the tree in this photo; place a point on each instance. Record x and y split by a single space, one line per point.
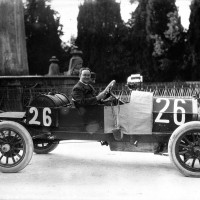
193 61
157 18
169 49
156 35
151 43
140 61
43 31
99 37
164 30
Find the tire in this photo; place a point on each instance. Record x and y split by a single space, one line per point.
184 148
16 147
44 147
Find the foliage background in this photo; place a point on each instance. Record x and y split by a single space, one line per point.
153 42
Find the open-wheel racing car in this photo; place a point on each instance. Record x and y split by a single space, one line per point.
144 124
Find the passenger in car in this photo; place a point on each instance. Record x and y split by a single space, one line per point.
83 93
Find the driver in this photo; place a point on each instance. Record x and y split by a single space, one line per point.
83 94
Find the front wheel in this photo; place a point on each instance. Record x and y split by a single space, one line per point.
184 148
16 147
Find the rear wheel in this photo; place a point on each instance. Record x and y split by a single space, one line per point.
16 147
44 147
184 149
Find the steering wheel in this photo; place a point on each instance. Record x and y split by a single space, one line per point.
114 98
110 86
108 90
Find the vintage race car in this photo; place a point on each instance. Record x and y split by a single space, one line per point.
145 124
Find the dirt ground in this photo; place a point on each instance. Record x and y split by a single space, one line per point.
89 171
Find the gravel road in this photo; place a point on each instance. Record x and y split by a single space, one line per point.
89 171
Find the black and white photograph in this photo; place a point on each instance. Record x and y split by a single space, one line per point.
99 99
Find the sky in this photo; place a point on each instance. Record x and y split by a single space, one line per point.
68 10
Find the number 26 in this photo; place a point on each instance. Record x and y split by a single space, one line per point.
176 109
46 119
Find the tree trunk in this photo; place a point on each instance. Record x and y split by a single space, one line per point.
13 55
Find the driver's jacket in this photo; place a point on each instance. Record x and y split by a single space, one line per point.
84 95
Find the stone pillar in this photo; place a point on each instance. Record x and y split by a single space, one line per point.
76 62
13 54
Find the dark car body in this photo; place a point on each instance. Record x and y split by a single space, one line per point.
145 124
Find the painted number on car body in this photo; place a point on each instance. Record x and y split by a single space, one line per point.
40 116
169 113
178 107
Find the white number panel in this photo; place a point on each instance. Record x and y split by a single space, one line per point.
41 116
169 113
